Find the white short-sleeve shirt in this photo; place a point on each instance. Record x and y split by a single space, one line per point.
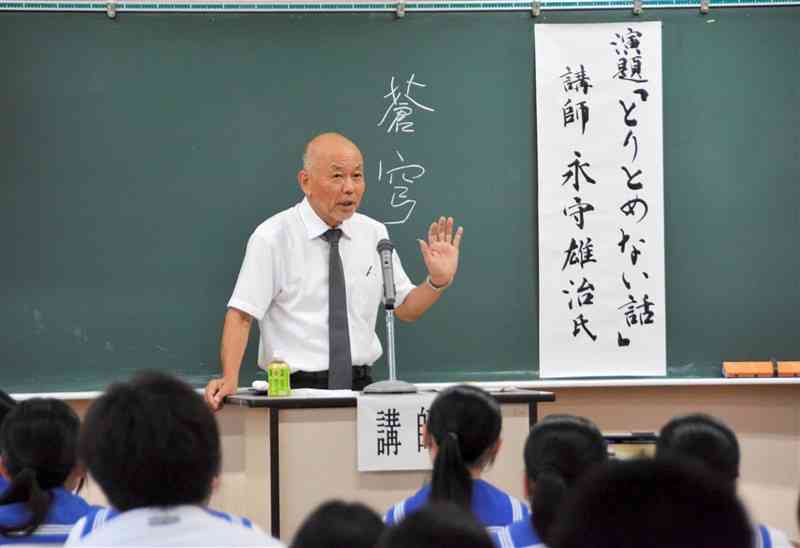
192 526
283 283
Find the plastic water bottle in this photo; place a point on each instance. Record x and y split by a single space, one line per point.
278 374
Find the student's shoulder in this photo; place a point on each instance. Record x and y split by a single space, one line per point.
67 508
11 513
486 489
512 508
407 506
523 535
239 531
230 518
768 537
94 519
504 538
175 523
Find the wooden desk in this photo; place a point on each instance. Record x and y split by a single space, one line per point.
275 405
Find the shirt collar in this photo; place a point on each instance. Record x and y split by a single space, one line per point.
316 227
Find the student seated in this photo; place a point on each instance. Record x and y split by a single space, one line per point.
153 446
437 525
336 524
653 503
6 403
558 451
39 439
462 435
713 443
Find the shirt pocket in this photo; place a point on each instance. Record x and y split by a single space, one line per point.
366 288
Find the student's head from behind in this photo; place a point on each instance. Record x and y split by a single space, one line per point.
40 436
151 442
39 439
437 525
704 438
337 524
657 503
463 435
558 451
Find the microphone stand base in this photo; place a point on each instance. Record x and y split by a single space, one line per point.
390 387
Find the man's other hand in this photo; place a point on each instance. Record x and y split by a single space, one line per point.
216 391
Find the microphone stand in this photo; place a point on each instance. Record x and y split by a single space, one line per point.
390 344
391 386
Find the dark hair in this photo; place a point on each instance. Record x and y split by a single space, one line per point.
39 438
151 442
658 503
559 449
465 423
7 403
704 438
337 524
437 525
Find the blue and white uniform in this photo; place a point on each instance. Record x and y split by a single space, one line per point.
3 484
65 510
493 508
767 537
171 526
517 535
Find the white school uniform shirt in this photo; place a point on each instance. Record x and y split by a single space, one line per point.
170 526
283 283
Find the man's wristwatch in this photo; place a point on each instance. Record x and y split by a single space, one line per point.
437 288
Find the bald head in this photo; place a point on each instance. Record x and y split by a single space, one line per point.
332 177
322 144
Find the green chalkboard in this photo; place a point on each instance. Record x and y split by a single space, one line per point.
137 155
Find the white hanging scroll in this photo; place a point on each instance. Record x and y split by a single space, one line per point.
601 200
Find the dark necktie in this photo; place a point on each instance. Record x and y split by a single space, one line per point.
340 365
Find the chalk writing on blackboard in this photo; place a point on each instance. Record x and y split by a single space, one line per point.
401 178
402 105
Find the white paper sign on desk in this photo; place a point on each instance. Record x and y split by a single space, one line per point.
390 428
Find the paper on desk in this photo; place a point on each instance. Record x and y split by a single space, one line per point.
322 393
262 387
488 387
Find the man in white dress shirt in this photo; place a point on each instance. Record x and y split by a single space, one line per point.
286 279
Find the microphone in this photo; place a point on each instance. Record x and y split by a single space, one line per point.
385 249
